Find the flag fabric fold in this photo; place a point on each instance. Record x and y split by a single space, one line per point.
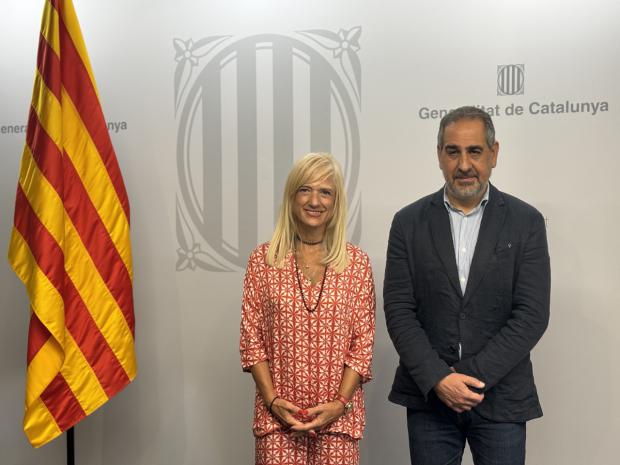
70 241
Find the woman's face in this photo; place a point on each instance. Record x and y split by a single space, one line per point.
313 206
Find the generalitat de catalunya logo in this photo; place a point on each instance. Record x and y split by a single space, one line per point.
510 79
246 109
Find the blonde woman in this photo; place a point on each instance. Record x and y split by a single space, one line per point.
307 327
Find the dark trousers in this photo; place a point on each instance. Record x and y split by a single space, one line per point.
438 437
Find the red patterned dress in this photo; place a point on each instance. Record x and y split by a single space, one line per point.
307 351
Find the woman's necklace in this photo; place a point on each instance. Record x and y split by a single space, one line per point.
301 289
309 242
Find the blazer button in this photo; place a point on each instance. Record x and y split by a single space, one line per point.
462 316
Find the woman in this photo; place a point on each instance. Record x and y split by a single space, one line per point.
307 327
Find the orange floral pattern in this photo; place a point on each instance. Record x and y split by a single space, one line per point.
307 351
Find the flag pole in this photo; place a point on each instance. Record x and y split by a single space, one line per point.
70 447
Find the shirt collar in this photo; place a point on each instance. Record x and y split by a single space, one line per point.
482 204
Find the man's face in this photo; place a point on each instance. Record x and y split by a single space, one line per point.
466 161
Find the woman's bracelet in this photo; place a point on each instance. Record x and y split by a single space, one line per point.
271 404
347 403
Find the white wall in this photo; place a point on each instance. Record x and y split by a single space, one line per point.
190 403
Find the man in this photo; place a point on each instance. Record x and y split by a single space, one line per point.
466 295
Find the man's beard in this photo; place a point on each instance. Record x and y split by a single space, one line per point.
466 192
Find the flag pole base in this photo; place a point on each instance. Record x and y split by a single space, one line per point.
70 446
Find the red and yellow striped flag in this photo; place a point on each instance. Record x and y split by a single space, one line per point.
70 241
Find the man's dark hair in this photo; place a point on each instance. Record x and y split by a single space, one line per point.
467 113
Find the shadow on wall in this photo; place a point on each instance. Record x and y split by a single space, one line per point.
574 374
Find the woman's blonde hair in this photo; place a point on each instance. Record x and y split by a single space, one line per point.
311 168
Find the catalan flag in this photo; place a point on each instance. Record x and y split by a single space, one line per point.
70 240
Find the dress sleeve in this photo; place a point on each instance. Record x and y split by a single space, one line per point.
251 345
359 357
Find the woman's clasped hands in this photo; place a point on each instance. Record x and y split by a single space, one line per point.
306 421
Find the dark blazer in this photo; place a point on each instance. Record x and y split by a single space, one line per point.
498 321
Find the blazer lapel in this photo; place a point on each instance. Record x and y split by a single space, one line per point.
441 234
492 223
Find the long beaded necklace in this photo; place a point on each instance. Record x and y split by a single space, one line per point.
301 289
